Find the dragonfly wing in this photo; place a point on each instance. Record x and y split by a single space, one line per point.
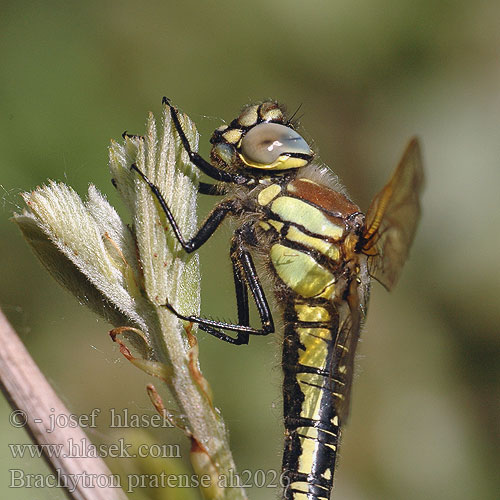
392 218
351 322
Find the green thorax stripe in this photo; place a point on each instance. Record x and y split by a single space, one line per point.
307 216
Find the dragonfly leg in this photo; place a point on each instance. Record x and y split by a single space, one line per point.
245 277
205 166
211 189
212 222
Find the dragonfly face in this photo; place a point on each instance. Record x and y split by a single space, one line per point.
261 139
321 252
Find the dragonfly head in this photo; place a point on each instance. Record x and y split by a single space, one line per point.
260 138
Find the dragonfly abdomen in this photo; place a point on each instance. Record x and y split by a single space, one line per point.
312 426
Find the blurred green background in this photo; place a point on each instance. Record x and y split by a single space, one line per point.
424 419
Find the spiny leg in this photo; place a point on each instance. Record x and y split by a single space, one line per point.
240 287
243 237
245 276
211 223
205 166
211 189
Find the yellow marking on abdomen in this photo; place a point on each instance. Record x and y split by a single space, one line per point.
309 313
307 432
315 351
302 493
311 379
311 406
315 333
306 457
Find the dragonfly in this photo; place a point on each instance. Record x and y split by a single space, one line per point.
321 252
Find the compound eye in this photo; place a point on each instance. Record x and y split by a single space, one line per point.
265 143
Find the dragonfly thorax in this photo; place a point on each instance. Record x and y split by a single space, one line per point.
310 237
